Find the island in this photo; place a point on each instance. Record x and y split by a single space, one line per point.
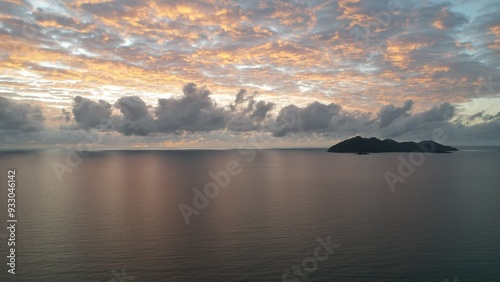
363 146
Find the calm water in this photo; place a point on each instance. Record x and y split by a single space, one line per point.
121 209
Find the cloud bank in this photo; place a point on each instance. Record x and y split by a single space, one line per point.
195 111
20 117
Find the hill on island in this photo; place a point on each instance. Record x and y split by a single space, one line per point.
359 144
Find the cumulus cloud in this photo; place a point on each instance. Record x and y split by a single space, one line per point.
250 116
135 119
391 120
90 114
420 124
288 120
241 96
390 113
314 117
479 133
20 116
194 111
261 109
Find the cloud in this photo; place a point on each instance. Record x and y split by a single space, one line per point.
288 120
300 55
241 96
66 115
20 116
315 117
390 113
420 124
135 119
194 116
89 114
194 111
260 110
479 117
296 51
482 133
391 121
449 20
247 117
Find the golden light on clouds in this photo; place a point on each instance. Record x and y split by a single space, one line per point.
357 53
399 52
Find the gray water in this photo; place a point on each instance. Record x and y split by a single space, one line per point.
121 209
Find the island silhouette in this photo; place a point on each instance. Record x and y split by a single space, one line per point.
364 146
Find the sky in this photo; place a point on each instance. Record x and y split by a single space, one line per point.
284 73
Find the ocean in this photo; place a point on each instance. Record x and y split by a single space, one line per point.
252 215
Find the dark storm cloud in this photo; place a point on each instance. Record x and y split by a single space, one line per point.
20 116
89 114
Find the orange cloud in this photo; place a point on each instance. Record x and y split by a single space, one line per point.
397 52
289 52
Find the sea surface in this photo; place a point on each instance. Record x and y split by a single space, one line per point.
115 216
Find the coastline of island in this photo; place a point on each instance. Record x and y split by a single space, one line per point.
364 146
